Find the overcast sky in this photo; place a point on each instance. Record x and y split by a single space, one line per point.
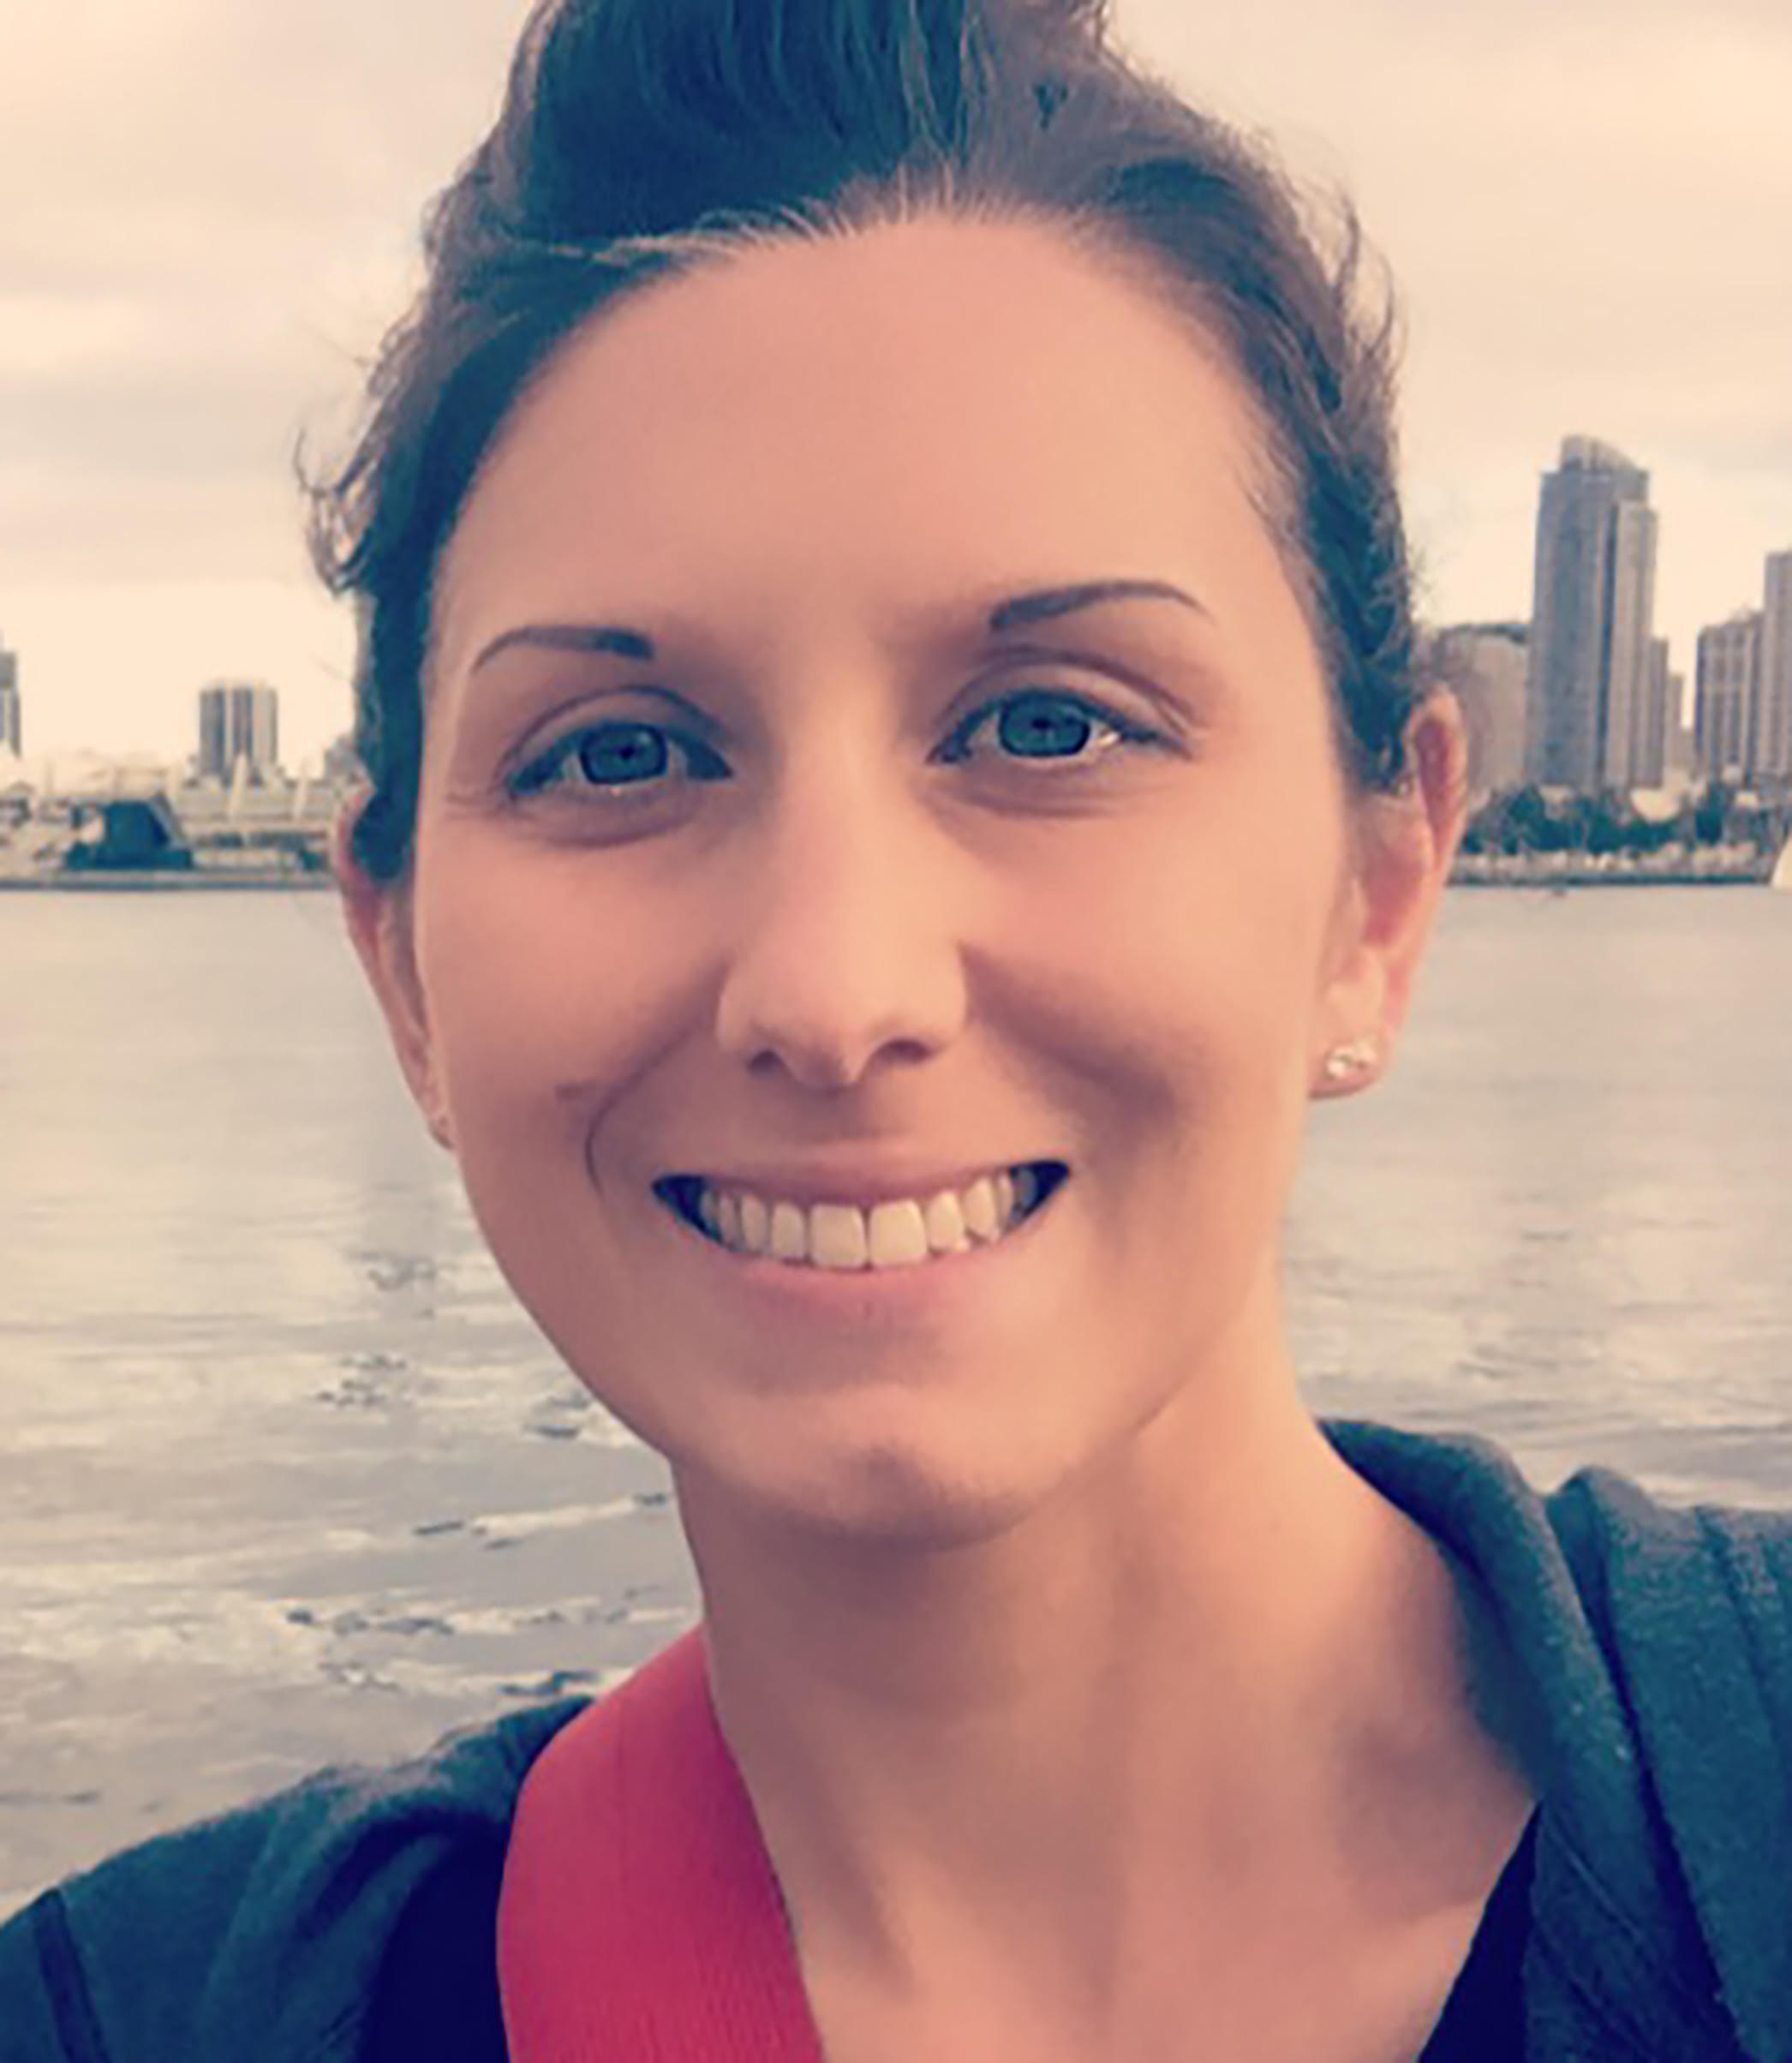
209 211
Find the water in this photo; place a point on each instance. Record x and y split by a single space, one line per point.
290 1478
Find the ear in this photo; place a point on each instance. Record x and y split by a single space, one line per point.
1403 846
378 919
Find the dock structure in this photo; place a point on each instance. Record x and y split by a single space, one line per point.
128 834
145 827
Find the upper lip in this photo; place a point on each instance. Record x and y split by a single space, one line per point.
853 1182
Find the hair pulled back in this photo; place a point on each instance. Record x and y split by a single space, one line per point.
639 136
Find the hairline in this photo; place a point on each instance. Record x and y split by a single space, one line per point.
868 204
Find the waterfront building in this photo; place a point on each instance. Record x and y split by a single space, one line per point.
1589 673
341 764
1771 734
1680 756
238 720
1729 658
1483 665
1658 718
12 722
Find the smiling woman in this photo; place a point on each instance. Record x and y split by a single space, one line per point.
895 777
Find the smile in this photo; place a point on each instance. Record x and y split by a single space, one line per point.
900 1233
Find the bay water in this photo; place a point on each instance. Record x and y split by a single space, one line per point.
287 1476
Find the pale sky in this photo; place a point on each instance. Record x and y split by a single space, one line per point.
209 213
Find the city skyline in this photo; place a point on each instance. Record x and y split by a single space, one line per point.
194 263
1732 712
1580 696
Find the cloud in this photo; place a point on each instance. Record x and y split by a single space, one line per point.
209 212
206 201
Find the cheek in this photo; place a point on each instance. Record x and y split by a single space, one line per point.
1223 921
1176 986
528 986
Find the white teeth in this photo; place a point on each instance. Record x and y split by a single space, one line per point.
790 1233
898 1234
837 1237
944 1223
980 1208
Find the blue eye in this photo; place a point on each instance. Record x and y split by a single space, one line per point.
616 757
1032 718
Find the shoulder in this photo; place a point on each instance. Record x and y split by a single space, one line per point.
1692 1606
1634 1550
275 1917
1600 1548
1655 1642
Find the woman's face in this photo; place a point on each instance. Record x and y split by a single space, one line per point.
762 825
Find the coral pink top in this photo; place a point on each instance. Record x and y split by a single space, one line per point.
639 1916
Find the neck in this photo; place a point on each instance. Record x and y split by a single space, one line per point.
1217 1652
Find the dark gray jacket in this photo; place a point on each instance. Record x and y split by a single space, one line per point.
1657 1643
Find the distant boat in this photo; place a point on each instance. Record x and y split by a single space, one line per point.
1783 871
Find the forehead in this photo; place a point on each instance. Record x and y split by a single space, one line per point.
906 410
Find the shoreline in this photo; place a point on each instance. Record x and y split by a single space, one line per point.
1500 870
1629 878
127 883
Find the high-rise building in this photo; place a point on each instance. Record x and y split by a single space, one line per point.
1483 664
1729 660
1656 718
237 720
1592 624
1770 736
12 722
342 763
1682 767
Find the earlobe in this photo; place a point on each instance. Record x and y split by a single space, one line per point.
377 916
1405 844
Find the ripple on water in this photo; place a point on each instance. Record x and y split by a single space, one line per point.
1561 1221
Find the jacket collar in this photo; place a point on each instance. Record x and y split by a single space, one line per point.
1612 1910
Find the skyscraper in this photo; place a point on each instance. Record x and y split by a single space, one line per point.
1730 670
12 726
1483 665
1658 714
1771 737
237 720
1590 668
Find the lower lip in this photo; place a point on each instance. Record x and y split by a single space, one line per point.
774 1288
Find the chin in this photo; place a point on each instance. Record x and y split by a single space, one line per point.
889 1494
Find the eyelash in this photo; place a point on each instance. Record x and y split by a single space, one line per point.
541 774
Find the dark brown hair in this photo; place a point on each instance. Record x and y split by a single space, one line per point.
639 136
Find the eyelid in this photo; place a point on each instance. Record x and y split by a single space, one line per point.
539 768
533 769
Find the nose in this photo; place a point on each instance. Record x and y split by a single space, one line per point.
845 945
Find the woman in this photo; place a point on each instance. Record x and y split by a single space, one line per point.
895 776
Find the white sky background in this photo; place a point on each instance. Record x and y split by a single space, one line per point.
209 212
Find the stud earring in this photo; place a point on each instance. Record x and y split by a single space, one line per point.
1343 1061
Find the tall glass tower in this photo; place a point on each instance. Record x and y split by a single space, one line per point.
1591 671
11 723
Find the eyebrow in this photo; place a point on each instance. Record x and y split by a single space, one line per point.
1015 613
1022 609
571 638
